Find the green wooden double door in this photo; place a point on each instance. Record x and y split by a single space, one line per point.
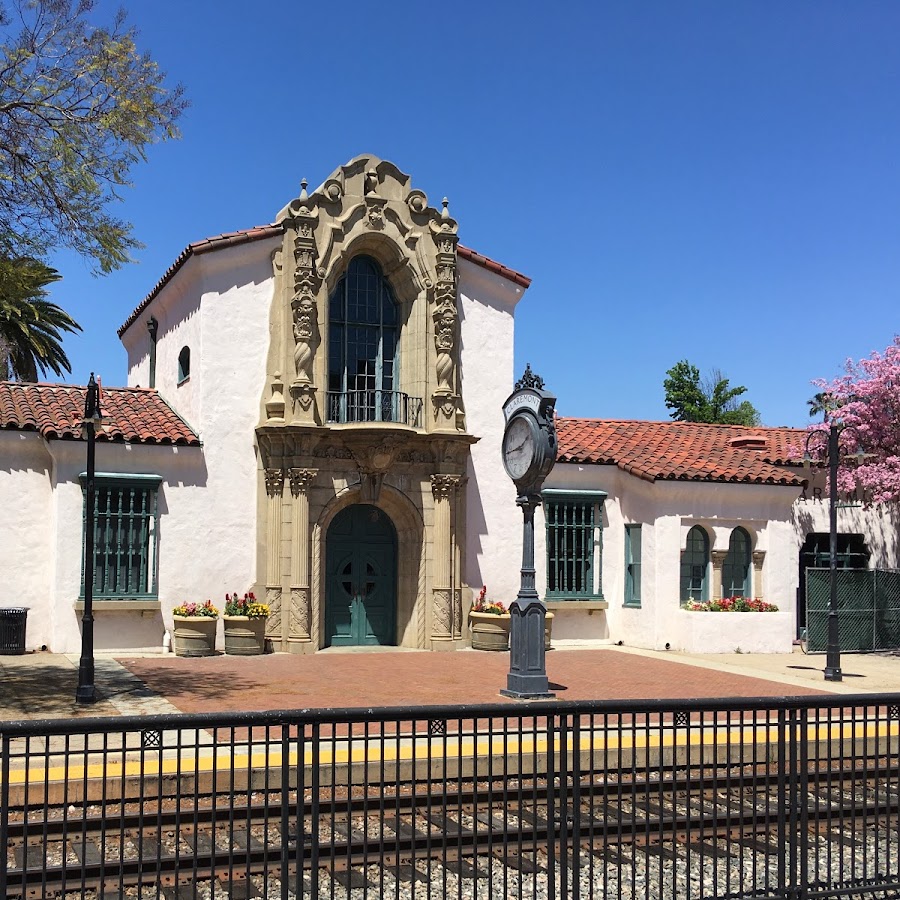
361 578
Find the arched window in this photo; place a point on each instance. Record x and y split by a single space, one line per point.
694 565
362 347
736 567
184 364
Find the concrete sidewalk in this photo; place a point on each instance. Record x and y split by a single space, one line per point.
42 685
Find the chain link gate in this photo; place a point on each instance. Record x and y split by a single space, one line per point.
868 603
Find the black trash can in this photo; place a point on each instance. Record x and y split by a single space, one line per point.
12 630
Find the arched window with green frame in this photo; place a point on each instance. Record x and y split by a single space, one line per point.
694 566
363 337
736 567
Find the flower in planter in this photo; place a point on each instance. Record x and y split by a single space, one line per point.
492 607
245 606
206 610
731 604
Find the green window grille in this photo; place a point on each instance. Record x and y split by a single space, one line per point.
574 545
363 334
694 565
125 528
736 567
632 565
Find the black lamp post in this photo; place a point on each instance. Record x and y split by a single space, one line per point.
833 652
85 692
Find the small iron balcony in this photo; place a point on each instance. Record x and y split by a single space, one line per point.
373 406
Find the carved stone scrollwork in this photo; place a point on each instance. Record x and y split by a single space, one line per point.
274 482
304 307
457 613
442 614
273 623
446 319
300 613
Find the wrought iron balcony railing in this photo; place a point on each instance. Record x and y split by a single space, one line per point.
374 406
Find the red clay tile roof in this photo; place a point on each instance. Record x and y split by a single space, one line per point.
685 451
132 415
492 266
261 232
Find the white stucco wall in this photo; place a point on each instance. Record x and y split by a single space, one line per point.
493 522
207 504
27 545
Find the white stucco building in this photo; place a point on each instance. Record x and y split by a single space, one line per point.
313 412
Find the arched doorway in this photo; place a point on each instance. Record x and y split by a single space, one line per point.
361 578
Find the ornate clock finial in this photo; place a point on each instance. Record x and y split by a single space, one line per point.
530 380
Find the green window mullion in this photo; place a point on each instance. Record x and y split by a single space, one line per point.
99 541
143 543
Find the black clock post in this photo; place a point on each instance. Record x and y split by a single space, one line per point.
529 453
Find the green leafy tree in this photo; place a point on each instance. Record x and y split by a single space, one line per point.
79 106
31 327
712 401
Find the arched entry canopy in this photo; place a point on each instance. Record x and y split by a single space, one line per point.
361 578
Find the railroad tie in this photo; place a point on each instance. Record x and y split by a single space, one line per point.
87 852
30 857
238 888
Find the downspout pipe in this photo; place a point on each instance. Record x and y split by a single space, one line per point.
152 327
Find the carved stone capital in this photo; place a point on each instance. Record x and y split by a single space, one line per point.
758 557
274 482
301 479
718 558
443 487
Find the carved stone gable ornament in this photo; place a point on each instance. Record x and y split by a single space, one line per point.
368 206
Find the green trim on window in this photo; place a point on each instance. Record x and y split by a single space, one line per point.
695 566
126 520
736 565
633 565
574 537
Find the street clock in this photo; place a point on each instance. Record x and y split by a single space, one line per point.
529 438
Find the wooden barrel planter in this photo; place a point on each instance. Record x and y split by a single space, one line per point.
244 636
194 635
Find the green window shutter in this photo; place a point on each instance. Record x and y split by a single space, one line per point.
574 544
632 565
125 526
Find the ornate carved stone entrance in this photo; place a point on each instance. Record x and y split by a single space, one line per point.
363 405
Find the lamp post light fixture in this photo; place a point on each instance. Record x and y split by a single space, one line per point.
833 449
92 418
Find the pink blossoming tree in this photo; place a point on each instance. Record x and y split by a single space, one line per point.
867 399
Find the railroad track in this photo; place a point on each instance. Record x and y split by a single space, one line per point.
320 842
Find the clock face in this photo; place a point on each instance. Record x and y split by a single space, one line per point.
519 447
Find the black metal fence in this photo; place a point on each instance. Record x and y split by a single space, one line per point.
868 609
778 798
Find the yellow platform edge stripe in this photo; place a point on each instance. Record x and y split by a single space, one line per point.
406 749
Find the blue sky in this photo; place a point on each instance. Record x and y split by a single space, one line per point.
703 180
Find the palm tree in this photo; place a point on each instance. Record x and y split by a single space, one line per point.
820 402
31 327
